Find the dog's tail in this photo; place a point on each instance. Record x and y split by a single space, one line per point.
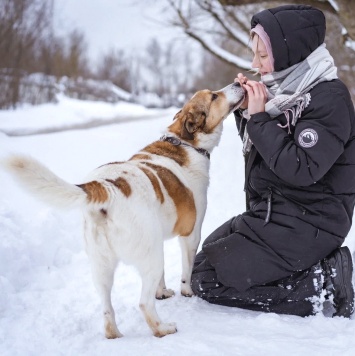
44 184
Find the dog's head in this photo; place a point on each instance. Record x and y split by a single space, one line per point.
205 112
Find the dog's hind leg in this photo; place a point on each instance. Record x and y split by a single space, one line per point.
189 247
151 270
103 274
103 262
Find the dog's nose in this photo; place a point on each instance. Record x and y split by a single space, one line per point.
236 84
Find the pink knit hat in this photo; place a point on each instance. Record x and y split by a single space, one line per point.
259 30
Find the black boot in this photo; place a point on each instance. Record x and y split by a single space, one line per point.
338 268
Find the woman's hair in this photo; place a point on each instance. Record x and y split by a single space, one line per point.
259 30
255 71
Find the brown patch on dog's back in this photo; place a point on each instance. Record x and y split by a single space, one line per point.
107 164
96 192
122 185
155 183
140 156
166 149
182 198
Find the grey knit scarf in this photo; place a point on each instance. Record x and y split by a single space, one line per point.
288 90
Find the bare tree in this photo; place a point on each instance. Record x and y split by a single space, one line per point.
28 45
18 39
115 66
222 29
77 62
154 63
169 70
231 19
215 74
344 9
211 24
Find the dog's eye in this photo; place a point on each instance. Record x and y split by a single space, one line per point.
214 96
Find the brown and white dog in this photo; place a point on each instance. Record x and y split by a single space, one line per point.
131 207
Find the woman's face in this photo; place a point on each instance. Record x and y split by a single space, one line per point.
261 60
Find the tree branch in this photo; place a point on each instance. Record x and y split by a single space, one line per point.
233 33
209 45
220 52
321 5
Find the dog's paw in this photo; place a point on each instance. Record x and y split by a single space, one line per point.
186 291
165 329
164 293
112 333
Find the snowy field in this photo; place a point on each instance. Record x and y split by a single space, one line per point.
48 304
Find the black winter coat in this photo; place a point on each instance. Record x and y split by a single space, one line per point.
301 186
313 184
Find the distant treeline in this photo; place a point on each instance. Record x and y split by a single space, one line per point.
157 76
36 63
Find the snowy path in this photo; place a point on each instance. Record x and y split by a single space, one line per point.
79 126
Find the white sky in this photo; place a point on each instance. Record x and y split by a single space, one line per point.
127 24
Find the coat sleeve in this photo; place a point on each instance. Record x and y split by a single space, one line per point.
301 159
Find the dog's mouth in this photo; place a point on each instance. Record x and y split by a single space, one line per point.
234 107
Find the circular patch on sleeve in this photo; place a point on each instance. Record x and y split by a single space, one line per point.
308 138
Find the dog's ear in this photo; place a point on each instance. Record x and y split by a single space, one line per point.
191 124
177 115
187 129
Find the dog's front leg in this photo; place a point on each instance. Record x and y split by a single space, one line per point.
189 247
162 291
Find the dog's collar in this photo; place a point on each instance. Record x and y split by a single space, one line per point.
177 142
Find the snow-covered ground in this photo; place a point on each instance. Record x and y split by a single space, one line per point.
48 304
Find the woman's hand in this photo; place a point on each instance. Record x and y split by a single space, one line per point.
242 79
256 94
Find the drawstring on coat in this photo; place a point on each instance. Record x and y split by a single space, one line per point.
269 207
